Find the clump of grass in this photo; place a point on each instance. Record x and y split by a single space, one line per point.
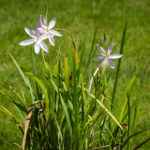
62 113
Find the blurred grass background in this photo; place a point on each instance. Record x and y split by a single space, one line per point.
80 18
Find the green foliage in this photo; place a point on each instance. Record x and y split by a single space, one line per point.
62 114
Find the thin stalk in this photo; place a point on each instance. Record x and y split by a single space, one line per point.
36 74
75 102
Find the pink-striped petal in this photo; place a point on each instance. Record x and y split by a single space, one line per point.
110 48
27 42
115 56
102 51
52 23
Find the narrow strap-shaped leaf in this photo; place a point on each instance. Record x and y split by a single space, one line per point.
134 135
120 106
123 109
47 66
110 114
66 114
25 79
18 103
66 72
91 50
106 110
82 55
141 144
75 104
129 120
5 110
54 85
59 132
83 95
119 64
55 70
75 53
20 113
44 90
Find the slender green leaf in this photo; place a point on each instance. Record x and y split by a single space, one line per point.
55 70
128 133
107 111
66 72
5 110
110 114
141 144
67 115
54 85
120 106
123 109
26 80
44 90
119 63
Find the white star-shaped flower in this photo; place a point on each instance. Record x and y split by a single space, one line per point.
106 57
46 29
37 40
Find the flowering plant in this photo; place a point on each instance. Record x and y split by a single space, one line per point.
64 111
40 33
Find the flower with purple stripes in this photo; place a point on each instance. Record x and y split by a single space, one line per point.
106 57
47 29
36 39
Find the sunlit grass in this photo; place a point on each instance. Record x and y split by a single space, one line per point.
80 18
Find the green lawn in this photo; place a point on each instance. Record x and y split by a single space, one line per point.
80 17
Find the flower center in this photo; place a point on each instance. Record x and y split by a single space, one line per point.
47 30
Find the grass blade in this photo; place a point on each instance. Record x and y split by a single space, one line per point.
141 144
134 135
128 133
67 115
123 99
44 90
107 111
123 109
26 80
5 110
92 46
119 64
110 114
75 53
66 72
